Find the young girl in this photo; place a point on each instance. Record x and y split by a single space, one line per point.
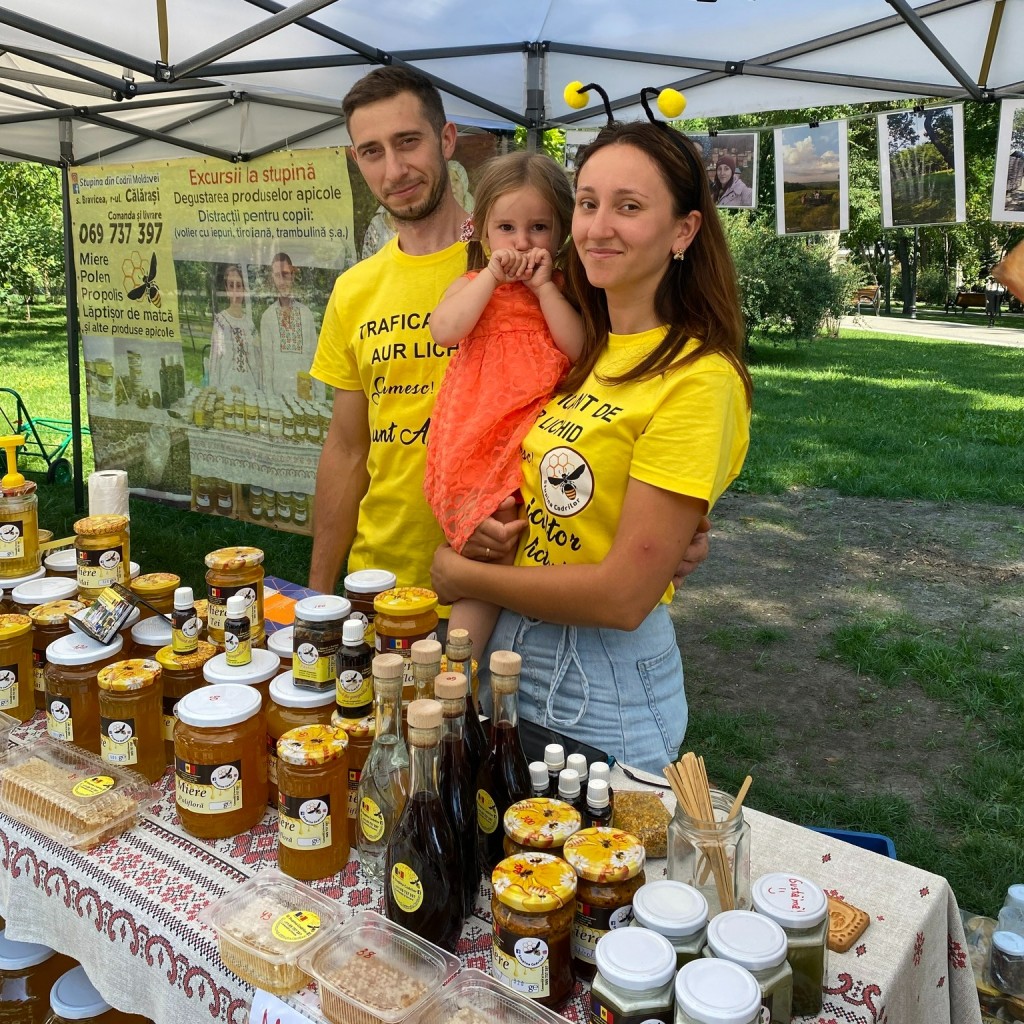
235 358
517 336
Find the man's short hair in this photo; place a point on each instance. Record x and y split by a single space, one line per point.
385 82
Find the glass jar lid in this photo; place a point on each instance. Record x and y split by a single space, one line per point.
789 900
751 940
541 822
405 601
671 908
152 632
356 728
73 997
1009 943
605 854
12 626
61 560
79 649
264 665
13 582
310 745
718 992
41 591
213 707
280 641
101 526
171 661
534 883
156 583
370 581
234 559
126 676
635 959
55 613
283 691
19 956
322 608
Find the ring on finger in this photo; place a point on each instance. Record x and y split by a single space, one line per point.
487 554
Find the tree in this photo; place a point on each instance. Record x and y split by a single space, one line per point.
31 230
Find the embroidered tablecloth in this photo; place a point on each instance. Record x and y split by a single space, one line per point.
128 911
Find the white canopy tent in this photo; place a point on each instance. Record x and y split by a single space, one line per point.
100 81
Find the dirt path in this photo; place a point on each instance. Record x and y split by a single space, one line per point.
785 571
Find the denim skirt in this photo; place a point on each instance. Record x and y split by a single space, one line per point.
616 690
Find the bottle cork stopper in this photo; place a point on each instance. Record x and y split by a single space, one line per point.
459 644
426 652
425 714
450 686
506 663
388 666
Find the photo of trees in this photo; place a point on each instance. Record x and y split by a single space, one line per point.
1008 191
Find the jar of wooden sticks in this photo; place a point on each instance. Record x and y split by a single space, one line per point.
712 853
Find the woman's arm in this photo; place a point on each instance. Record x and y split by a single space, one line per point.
655 529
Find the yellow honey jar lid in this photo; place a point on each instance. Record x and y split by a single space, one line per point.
55 613
312 745
155 583
534 882
405 601
604 854
355 728
101 526
233 559
129 675
541 822
13 626
173 662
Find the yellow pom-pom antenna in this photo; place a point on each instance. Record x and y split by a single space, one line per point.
575 96
671 102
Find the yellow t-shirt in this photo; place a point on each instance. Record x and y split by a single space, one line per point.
375 339
686 431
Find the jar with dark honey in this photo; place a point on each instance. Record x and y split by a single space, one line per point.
131 718
27 973
231 571
157 588
317 641
72 693
17 683
291 708
362 588
183 673
532 910
539 823
102 546
49 623
312 801
609 866
220 761
404 615
360 732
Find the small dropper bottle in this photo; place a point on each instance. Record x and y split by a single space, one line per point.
184 622
237 643
599 812
569 789
554 758
540 782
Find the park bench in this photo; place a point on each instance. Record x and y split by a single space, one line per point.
871 294
966 300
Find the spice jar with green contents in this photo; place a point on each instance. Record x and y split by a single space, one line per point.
183 673
49 623
539 823
716 992
291 707
610 867
231 571
675 910
634 978
17 684
102 544
800 908
532 911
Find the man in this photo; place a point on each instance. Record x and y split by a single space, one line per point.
376 350
287 331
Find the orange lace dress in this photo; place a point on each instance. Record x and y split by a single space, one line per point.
495 385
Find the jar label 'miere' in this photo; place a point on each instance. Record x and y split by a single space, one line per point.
522 962
8 686
208 788
304 823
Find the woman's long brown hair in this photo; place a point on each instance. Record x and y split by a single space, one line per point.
696 298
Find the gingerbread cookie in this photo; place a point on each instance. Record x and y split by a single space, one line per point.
846 924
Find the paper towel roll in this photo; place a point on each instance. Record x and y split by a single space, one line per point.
108 492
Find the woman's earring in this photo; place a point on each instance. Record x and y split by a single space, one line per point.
679 254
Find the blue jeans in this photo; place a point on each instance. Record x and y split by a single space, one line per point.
619 691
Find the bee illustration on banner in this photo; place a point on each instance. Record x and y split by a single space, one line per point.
147 286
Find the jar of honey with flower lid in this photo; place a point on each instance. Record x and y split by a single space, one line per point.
291 707
102 546
17 684
540 823
49 623
404 615
131 720
231 571
157 588
183 673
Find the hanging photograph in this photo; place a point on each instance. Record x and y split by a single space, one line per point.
575 140
1008 192
921 165
731 163
811 179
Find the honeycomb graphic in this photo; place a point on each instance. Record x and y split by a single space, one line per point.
134 272
556 463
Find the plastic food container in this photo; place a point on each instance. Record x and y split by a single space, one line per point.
475 998
374 970
265 924
71 795
6 725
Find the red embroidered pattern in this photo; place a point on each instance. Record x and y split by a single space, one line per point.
955 953
918 948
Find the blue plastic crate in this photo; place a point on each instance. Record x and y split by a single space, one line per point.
873 841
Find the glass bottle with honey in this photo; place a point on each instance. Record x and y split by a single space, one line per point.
422 889
504 776
19 517
455 782
459 653
384 782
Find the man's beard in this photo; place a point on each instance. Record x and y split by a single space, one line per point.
424 209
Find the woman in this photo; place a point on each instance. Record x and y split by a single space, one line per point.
648 429
728 188
235 358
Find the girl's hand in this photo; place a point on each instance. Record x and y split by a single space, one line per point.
507 265
541 269
442 571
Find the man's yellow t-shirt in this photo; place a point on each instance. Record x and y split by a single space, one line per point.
376 339
686 431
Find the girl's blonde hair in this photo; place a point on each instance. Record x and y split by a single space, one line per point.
502 174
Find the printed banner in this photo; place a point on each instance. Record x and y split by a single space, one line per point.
1008 191
921 167
812 178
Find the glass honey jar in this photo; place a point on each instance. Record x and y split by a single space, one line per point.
28 971
312 801
231 571
9 585
72 693
404 615
49 623
183 673
362 588
74 1000
157 589
26 596
17 683
102 546
220 761
360 732
291 707
257 673
62 563
131 719
148 635
540 823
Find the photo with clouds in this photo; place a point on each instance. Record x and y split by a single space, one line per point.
811 182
